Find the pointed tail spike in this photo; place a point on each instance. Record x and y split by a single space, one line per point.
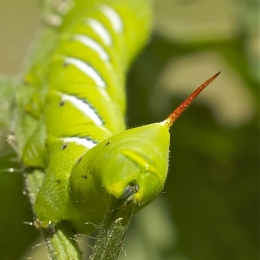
168 122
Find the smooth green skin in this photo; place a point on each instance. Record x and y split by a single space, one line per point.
139 155
80 191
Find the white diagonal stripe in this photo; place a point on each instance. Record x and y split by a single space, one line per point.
87 69
89 42
113 17
100 30
83 107
80 141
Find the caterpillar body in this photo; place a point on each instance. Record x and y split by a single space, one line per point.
80 101
77 103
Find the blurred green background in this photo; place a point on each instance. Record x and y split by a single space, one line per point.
209 209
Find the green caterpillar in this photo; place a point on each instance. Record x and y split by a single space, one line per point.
77 98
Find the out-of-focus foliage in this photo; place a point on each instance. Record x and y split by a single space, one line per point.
209 209
212 188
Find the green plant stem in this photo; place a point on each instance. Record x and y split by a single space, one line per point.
61 244
59 239
112 231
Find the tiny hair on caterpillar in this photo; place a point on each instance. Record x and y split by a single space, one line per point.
75 104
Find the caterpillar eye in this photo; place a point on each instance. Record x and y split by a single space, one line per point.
130 190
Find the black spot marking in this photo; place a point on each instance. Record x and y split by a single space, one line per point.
79 160
108 143
85 176
64 146
58 181
65 64
62 103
